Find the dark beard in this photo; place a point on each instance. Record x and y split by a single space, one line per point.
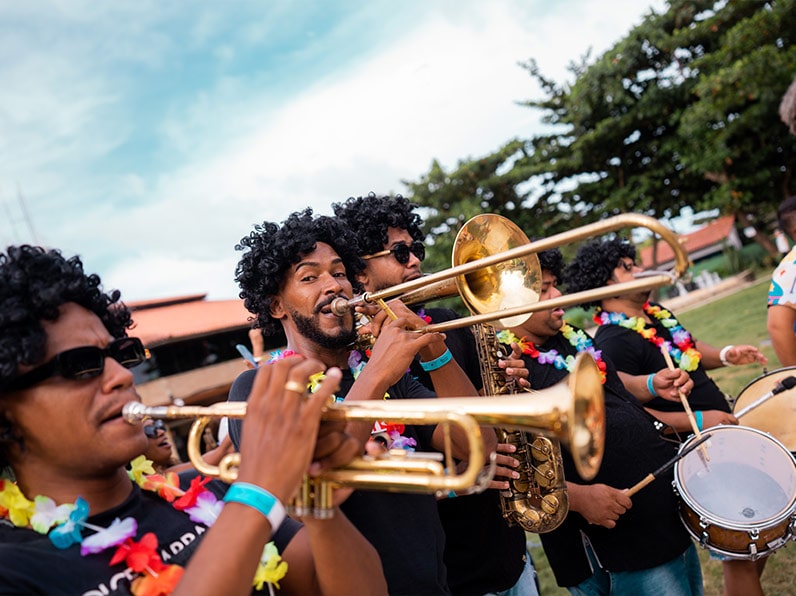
306 326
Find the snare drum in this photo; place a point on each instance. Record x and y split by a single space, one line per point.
776 416
741 501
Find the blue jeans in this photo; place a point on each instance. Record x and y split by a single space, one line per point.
526 585
682 576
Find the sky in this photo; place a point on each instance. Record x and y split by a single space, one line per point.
148 137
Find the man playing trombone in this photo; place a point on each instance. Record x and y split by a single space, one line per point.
483 553
289 275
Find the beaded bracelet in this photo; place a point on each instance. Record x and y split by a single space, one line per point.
438 362
650 385
257 498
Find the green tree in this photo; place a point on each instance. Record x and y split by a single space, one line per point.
681 112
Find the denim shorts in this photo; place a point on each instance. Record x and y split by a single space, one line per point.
682 576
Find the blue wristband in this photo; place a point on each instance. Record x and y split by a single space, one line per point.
698 418
257 498
438 362
650 386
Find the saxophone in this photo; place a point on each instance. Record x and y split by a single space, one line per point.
537 500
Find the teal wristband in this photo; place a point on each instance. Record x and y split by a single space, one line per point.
257 498
438 362
650 386
698 418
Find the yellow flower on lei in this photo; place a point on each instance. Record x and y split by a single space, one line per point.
20 508
270 570
139 467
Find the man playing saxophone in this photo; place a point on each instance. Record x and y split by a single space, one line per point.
483 553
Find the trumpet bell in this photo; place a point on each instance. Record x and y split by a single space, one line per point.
511 283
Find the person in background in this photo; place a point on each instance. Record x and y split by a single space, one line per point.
483 553
781 315
609 543
73 521
289 275
160 452
632 331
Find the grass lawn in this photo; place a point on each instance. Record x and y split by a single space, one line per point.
736 319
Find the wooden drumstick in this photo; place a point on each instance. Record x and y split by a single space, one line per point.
686 405
650 477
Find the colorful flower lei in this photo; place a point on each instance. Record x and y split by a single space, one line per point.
576 338
356 362
683 352
64 524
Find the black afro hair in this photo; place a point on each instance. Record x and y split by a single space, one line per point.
370 217
595 263
270 250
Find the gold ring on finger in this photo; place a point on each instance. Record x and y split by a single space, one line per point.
296 387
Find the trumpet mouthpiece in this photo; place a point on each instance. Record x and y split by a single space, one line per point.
340 307
134 412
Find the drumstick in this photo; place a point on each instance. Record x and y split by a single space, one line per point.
650 477
684 401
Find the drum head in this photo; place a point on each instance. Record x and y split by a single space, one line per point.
776 416
749 480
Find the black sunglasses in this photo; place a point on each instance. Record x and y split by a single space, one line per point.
83 363
626 266
151 430
402 252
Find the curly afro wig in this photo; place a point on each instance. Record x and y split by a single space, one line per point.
34 283
552 261
270 250
595 263
370 216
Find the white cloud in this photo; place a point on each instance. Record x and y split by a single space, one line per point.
237 152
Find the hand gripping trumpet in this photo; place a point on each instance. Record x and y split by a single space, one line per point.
572 411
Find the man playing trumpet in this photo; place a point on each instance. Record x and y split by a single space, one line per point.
71 519
289 275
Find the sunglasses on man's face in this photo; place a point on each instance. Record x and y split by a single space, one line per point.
402 252
83 363
152 430
626 266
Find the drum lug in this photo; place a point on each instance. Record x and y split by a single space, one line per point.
754 533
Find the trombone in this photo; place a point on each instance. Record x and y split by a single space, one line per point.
478 276
573 411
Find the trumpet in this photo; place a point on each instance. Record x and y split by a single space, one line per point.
572 411
489 282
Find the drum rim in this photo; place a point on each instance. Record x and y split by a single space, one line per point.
755 380
730 524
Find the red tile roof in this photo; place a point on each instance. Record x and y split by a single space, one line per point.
716 232
163 321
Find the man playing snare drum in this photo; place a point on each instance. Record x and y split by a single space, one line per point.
631 332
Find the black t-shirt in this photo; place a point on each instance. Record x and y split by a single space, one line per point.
483 553
30 564
650 533
403 528
635 355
